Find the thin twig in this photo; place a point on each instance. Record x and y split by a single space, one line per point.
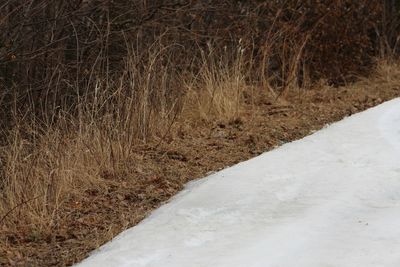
17 206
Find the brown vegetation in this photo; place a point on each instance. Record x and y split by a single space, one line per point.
108 107
73 189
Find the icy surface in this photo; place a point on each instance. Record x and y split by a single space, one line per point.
331 199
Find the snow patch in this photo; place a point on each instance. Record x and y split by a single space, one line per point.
331 199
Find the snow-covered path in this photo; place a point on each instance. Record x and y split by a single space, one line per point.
331 199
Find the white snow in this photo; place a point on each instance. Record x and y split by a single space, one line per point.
331 199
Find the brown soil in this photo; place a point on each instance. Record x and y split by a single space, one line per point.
190 151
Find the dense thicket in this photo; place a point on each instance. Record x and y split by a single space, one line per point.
52 52
102 95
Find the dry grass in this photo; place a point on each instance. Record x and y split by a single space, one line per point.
216 92
110 120
388 72
44 166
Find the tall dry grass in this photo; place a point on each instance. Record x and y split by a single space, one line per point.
216 90
44 164
84 122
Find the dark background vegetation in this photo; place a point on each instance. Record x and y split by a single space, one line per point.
53 52
107 108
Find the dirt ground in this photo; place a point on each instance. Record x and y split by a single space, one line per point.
191 150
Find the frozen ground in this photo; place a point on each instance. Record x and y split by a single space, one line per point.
331 199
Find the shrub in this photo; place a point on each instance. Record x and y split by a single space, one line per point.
54 53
